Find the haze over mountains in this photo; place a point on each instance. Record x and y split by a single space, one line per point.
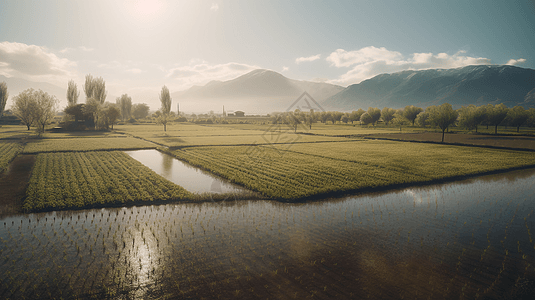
264 91
259 91
477 85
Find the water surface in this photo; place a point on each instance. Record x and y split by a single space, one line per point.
191 178
468 239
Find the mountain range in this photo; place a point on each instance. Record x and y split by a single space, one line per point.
259 91
478 85
264 91
17 85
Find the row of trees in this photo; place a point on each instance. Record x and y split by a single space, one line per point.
96 110
442 116
31 106
39 108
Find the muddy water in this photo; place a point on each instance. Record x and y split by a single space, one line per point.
191 178
13 183
468 239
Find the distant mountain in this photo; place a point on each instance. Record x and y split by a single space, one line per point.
17 85
259 91
462 86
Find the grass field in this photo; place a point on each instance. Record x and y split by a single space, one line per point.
304 170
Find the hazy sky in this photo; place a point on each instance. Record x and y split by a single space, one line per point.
140 45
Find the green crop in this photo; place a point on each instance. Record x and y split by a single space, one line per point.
86 144
95 179
304 170
8 151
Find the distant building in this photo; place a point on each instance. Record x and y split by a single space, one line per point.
230 115
239 113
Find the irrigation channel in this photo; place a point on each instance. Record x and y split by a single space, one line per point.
187 176
467 239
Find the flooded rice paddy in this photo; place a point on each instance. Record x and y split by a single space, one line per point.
470 239
191 178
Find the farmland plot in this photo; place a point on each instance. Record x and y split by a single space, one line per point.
293 171
86 179
86 144
8 151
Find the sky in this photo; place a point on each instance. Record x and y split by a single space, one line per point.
137 46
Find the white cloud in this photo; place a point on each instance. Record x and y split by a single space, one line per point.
82 48
214 7
285 68
513 62
343 58
306 59
204 72
371 61
33 62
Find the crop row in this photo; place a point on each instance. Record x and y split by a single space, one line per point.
85 179
430 160
309 169
86 144
8 151
289 175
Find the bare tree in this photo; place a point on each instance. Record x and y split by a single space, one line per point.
24 106
165 99
3 97
72 93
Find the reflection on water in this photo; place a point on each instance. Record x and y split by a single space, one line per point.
178 172
470 239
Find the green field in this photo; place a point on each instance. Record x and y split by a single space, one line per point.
304 170
93 179
8 151
85 144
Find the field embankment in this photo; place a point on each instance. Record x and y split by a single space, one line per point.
483 140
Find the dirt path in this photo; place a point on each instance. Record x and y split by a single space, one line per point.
13 183
499 141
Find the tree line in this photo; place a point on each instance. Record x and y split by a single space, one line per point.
441 116
38 108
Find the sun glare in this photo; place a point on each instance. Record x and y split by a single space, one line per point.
146 9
